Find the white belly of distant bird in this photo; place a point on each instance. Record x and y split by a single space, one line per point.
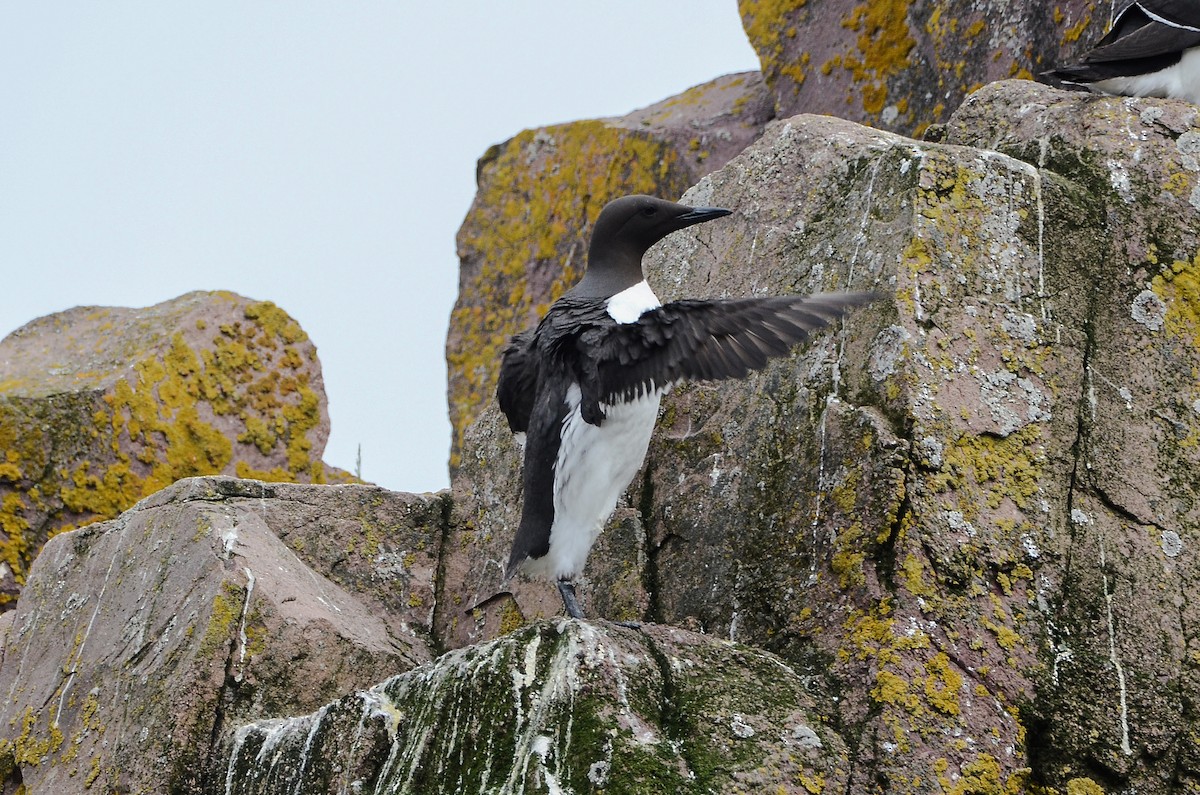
1180 81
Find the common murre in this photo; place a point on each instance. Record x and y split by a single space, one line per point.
584 386
1152 50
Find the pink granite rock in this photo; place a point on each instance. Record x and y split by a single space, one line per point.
966 511
101 406
903 65
140 641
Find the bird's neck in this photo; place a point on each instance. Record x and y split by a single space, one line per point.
609 274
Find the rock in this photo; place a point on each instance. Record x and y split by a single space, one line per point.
559 706
903 65
1120 589
947 511
524 240
102 406
956 531
139 642
709 124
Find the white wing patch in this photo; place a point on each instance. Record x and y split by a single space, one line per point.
629 304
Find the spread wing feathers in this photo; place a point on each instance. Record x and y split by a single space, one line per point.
518 381
1138 42
710 340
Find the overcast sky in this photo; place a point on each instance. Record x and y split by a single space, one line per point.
318 155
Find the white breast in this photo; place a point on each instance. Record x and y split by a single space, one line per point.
594 467
596 464
629 304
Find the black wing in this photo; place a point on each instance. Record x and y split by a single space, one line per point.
1138 42
1179 13
518 381
709 340
532 539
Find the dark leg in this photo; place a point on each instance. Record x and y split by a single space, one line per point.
566 589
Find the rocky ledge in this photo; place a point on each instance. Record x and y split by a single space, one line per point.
946 547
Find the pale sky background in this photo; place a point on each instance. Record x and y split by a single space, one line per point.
318 155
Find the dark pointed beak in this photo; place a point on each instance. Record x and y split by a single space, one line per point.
698 215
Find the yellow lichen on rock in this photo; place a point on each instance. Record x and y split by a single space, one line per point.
768 24
884 43
142 400
1179 289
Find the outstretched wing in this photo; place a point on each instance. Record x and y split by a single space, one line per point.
518 381
709 340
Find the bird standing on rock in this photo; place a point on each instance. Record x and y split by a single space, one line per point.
1153 50
585 384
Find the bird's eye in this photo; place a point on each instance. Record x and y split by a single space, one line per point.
649 211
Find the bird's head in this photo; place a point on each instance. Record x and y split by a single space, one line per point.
623 232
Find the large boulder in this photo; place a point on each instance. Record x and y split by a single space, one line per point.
524 240
140 642
102 406
966 510
902 65
1118 586
557 707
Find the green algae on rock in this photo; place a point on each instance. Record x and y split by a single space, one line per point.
559 706
956 512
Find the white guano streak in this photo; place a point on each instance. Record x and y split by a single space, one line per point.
1126 748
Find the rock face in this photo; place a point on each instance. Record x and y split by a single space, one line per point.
1120 580
950 510
524 240
139 642
558 707
102 406
950 542
902 65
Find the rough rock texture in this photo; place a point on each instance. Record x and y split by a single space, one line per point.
956 530
558 707
1120 672
139 642
102 406
966 512
524 240
902 65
